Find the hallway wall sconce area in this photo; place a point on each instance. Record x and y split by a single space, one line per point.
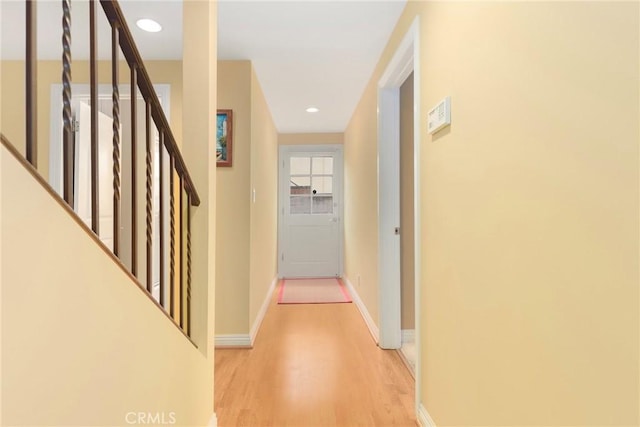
224 138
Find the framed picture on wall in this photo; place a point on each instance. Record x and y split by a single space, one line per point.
224 137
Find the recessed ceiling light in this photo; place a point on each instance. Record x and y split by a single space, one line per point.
149 25
312 110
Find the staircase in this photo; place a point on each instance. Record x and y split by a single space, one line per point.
97 318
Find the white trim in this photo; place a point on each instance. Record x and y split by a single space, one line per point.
408 335
417 216
368 320
424 419
263 311
237 340
247 340
402 63
405 60
213 421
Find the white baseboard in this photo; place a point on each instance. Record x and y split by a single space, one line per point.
373 329
247 340
424 419
408 335
213 421
263 310
238 340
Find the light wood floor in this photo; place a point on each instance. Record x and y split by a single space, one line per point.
313 365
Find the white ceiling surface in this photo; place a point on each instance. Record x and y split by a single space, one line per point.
305 53
166 44
308 53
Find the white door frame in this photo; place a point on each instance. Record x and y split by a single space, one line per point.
285 150
404 61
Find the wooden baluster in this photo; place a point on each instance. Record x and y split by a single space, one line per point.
115 47
182 314
188 310
149 181
31 83
95 160
67 135
161 220
172 243
134 171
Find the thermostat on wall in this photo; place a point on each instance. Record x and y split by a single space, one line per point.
439 116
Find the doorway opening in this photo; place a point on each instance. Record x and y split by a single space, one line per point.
407 235
404 63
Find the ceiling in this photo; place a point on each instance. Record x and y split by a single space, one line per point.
166 44
308 53
305 53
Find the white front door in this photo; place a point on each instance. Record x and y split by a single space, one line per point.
310 216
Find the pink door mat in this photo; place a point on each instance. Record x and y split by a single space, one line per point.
313 291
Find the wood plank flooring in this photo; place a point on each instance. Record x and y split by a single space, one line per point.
313 365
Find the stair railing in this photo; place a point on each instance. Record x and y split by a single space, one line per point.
178 306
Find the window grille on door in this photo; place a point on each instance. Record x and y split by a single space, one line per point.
311 185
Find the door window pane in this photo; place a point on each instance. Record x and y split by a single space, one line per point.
323 204
300 166
322 166
311 185
322 185
300 185
299 205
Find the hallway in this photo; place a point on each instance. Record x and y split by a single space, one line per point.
312 365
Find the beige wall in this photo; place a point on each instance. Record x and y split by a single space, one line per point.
234 93
407 240
81 342
361 200
264 179
529 303
247 239
49 73
2 363
310 138
199 37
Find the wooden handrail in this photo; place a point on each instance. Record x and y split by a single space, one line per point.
132 55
